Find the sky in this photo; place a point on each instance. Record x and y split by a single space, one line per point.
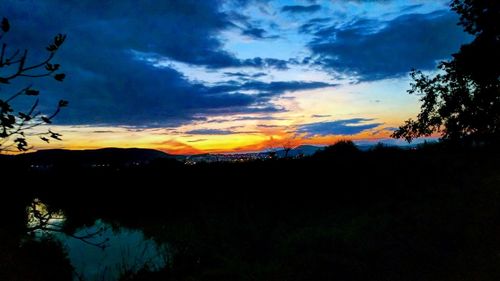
219 76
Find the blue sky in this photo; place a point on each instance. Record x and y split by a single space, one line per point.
233 75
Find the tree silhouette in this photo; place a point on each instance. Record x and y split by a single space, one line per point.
15 125
341 148
463 103
287 147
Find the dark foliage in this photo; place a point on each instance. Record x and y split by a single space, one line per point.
33 260
463 103
341 148
15 125
430 213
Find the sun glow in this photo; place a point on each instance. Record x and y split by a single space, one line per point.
375 102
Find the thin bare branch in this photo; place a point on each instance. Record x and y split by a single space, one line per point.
2 53
18 94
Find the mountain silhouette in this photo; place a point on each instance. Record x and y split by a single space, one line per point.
304 150
93 157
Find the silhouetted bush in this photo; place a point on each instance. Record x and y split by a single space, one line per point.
340 148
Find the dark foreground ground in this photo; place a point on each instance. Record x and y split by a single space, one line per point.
386 214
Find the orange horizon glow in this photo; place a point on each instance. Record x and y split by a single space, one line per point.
238 143
250 135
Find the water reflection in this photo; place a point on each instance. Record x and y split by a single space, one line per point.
98 252
126 252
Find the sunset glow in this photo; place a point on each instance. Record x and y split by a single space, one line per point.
234 76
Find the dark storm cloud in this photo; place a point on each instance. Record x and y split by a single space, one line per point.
257 33
197 140
259 62
210 132
277 88
214 132
151 96
338 127
107 84
313 25
373 50
411 8
245 76
245 118
269 126
365 1
264 90
301 9
254 32
249 27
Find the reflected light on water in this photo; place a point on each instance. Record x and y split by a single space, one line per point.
97 252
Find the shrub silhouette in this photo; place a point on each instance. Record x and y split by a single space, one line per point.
340 148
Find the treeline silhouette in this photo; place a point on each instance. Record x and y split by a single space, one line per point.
429 213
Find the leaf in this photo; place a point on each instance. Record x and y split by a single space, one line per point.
52 67
5 25
60 77
55 136
51 48
31 92
46 120
59 39
5 106
8 121
63 103
21 144
24 116
4 81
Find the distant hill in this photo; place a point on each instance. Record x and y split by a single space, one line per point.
136 156
305 150
96 157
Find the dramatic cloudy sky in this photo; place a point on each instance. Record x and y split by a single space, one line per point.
238 75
